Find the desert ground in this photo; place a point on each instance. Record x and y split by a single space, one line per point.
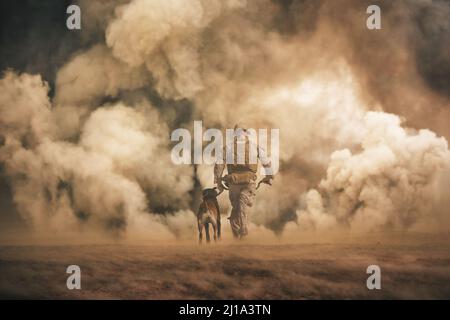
412 267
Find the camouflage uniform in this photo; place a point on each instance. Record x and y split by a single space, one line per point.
241 198
241 194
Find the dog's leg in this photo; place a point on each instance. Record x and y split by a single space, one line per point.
208 239
200 232
218 227
216 203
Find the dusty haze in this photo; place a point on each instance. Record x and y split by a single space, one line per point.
363 117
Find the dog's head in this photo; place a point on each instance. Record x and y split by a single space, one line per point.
210 193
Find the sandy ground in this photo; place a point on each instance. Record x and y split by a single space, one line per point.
417 268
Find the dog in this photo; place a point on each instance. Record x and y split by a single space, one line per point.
209 213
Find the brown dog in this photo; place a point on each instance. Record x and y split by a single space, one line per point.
209 212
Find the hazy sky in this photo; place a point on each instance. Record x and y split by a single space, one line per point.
91 149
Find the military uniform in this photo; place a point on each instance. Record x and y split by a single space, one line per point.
241 181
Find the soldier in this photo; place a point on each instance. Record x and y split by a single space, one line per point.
241 177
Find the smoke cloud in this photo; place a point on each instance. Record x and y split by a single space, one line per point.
363 115
390 183
110 178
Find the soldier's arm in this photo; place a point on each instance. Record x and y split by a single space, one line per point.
218 172
265 162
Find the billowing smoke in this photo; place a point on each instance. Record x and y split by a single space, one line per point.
357 111
106 76
165 36
389 183
111 177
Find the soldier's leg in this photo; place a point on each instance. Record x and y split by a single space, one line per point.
246 199
235 223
